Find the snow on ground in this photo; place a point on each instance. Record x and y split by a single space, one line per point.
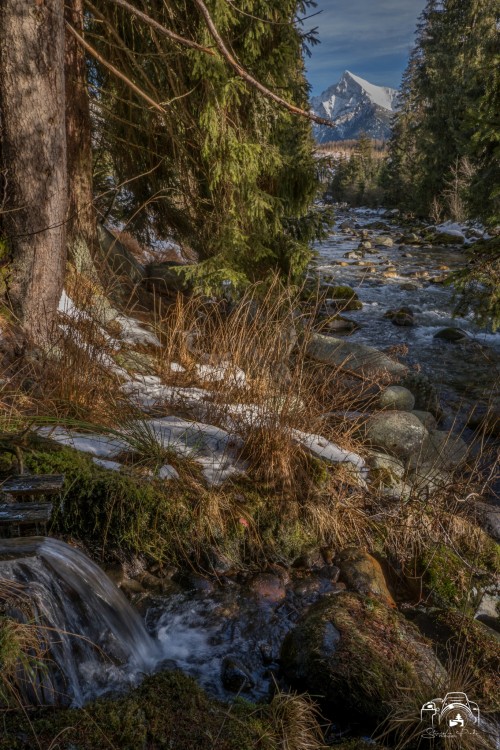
133 333
233 376
149 391
101 446
328 451
105 464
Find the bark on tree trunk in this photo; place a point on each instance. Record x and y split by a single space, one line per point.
82 238
33 135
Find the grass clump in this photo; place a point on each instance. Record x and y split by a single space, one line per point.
168 711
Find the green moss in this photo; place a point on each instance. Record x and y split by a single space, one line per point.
167 712
355 652
445 577
474 654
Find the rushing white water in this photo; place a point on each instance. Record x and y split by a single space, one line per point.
97 642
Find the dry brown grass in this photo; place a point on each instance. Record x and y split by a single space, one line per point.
296 721
404 728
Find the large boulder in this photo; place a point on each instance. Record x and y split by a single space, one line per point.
444 450
398 433
358 655
353 356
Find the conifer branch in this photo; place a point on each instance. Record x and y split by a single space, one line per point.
245 75
136 89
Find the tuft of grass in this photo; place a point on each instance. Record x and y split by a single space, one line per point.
295 719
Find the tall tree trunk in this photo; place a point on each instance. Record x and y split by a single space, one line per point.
82 225
33 134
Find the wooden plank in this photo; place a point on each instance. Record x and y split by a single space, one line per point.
25 512
27 484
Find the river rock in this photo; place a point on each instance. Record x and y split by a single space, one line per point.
345 297
384 241
489 517
412 239
361 572
396 397
235 677
310 560
426 396
338 323
402 317
398 433
385 471
455 335
427 419
445 238
347 226
353 356
357 655
269 588
444 449
488 611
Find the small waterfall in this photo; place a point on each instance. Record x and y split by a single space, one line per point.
96 641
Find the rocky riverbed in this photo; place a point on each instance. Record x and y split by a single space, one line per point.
369 616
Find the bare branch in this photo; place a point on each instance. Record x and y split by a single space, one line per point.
115 71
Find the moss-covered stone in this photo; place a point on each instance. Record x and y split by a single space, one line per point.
345 297
116 513
445 577
355 652
471 650
168 711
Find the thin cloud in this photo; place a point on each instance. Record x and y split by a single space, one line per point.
370 37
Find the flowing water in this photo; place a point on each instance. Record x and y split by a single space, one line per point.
97 641
464 373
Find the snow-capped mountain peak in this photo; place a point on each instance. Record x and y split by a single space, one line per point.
356 106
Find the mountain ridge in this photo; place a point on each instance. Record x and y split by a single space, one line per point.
356 106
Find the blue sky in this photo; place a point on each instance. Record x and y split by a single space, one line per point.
371 38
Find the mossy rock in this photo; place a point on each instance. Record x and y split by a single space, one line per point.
168 711
470 648
445 577
345 297
117 513
354 652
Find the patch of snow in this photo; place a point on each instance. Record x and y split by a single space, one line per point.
224 372
214 449
168 472
383 96
110 465
133 333
327 450
101 446
149 391
176 367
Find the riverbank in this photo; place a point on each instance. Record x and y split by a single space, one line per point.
256 482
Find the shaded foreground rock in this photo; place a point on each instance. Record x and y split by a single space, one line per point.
168 710
353 356
358 655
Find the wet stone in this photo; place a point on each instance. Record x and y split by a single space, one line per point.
268 587
235 677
